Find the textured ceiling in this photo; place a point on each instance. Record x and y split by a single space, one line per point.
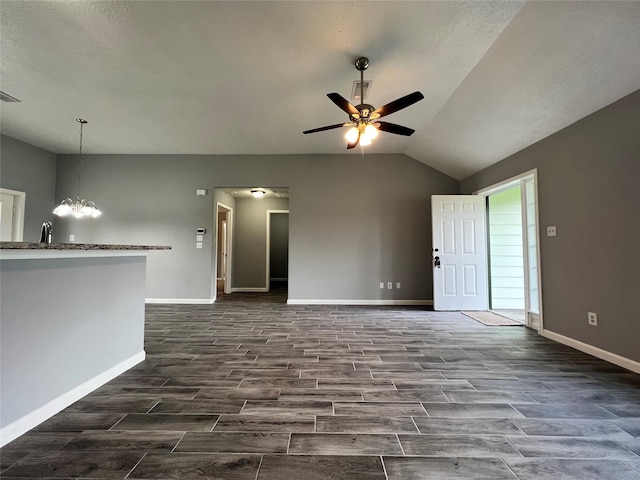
239 77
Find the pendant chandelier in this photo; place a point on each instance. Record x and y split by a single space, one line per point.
81 208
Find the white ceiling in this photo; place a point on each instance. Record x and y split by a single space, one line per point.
241 77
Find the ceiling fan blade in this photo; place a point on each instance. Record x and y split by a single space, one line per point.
343 103
351 145
398 104
393 128
322 129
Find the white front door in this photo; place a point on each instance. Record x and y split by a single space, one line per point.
459 252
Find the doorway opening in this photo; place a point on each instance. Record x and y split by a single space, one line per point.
277 256
11 215
252 223
224 244
505 254
513 250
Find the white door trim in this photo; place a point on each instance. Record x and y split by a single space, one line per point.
521 180
229 269
268 243
507 183
19 200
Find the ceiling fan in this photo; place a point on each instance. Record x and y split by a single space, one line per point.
363 119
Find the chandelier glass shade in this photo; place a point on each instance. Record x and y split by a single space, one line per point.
80 208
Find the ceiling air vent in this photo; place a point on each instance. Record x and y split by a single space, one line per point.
5 97
355 92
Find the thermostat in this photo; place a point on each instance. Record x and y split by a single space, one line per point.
201 231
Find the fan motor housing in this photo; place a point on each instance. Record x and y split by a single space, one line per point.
362 63
365 110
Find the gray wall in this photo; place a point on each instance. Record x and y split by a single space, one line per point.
51 344
250 240
279 246
354 220
589 187
31 170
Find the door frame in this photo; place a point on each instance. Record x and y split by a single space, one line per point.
267 283
229 241
17 221
521 180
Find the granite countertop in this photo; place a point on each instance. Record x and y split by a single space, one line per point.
76 246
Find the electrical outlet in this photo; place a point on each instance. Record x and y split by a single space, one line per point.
592 318
389 285
551 231
381 284
398 285
198 244
199 238
72 238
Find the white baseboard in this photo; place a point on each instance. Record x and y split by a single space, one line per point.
594 351
249 289
181 301
322 301
35 418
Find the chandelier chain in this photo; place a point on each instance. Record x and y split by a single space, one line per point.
82 122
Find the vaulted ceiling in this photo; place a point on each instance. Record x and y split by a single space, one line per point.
242 77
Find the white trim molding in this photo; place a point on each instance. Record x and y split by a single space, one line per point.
323 301
181 301
35 418
19 201
594 351
249 289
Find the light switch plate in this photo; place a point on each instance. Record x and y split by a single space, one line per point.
551 231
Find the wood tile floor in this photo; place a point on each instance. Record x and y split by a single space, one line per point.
250 388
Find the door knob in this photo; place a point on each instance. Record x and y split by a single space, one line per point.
436 262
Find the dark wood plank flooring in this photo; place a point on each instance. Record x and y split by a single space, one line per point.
250 388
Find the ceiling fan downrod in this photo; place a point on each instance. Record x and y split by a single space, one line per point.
362 64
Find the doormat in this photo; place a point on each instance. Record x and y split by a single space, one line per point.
492 319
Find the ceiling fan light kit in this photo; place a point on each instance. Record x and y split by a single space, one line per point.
363 119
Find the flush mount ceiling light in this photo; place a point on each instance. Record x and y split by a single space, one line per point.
81 208
258 193
363 119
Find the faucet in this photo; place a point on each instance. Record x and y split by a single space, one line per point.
46 232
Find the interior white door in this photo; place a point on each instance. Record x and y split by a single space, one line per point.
459 252
6 217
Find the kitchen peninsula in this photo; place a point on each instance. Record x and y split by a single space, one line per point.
71 319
